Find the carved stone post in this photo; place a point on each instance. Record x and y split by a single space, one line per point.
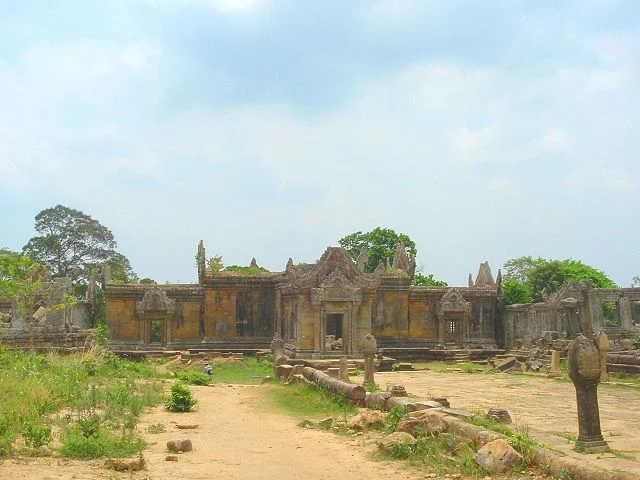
369 348
344 369
555 364
603 347
279 357
584 370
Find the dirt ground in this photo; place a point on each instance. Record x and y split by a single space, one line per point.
239 438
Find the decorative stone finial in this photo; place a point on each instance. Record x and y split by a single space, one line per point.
400 260
585 371
361 261
289 264
470 281
485 277
253 263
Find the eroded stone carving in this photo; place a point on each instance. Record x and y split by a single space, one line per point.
453 301
485 277
155 300
585 371
363 258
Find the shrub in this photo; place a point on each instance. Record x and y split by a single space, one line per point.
35 435
180 398
194 378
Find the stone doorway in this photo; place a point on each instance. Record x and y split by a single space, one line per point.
156 332
334 324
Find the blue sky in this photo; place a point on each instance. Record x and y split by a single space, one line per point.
270 129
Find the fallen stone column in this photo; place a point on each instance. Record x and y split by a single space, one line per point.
354 393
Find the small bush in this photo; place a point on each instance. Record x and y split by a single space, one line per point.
194 378
6 437
156 428
180 398
35 435
394 416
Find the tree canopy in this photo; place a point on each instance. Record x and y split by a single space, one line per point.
380 244
422 280
71 243
526 278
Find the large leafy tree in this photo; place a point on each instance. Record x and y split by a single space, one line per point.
526 278
71 244
380 244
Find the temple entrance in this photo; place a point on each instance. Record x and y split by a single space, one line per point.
156 332
334 324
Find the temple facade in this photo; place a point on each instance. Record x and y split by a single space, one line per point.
317 309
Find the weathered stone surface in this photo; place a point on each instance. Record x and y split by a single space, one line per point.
442 401
395 438
399 391
404 402
585 371
190 426
404 367
378 400
497 456
284 371
366 418
555 364
506 364
370 348
423 422
177 446
499 415
425 404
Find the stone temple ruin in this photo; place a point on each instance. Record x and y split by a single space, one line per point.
327 308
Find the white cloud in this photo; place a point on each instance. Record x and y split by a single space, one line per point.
556 139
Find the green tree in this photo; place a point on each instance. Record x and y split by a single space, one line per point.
635 281
21 281
421 280
526 278
71 244
380 244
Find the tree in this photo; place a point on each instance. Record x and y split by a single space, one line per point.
421 280
26 283
527 278
71 244
380 244
635 281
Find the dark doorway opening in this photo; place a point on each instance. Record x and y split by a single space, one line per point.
334 324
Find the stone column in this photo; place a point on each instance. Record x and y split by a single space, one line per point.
585 370
344 369
626 313
603 347
369 348
555 364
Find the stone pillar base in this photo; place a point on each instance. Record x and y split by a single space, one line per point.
591 445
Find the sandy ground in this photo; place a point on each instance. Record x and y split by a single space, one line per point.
236 438
239 438
545 408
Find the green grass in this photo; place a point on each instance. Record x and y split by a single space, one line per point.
444 453
248 371
36 386
306 401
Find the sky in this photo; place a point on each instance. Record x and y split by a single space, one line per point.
271 129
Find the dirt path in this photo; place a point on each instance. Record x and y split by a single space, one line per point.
239 438
236 439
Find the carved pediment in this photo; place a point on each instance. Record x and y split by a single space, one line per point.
453 301
155 300
335 270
